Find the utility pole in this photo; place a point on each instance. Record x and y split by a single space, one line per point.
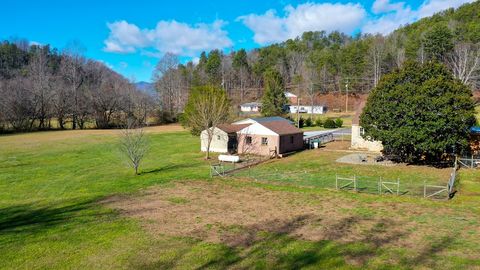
346 98
298 111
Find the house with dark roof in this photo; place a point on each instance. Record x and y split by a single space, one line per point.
266 136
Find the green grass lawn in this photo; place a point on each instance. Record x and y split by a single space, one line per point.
51 217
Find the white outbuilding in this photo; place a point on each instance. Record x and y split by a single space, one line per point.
359 140
307 109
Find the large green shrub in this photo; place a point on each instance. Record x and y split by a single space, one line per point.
329 123
420 113
339 122
308 122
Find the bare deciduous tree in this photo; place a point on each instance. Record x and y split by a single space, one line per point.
167 82
464 62
71 69
134 145
207 107
376 53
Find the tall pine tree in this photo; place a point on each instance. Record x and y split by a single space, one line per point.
274 99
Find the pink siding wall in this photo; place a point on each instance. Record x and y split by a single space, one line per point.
282 144
286 144
256 147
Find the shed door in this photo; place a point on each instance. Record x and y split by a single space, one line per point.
232 143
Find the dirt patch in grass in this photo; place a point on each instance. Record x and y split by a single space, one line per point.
337 145
237 215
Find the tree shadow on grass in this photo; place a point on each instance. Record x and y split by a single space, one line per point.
279 247
170 167
30 218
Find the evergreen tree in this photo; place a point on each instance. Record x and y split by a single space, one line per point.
438 42
213 67
274 99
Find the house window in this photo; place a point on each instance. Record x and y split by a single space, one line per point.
291 139
218 137
248 140
264 140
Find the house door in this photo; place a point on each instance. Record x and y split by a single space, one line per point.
232 144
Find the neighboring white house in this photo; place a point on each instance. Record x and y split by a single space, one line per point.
358 141
307 109
290 95
292 98
251 107
257 106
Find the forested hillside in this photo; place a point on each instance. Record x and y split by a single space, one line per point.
320 62
42 88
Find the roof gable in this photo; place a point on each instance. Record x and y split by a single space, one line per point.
257 129
282 127
228 128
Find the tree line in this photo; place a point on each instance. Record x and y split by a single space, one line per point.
43 88
319 62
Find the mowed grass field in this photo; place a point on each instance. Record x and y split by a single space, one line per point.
68 200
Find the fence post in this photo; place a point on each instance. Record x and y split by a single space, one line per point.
424 189
336 181
380 186
354 182
471 163
398 186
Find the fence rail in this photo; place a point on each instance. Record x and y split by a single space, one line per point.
470 162
432 189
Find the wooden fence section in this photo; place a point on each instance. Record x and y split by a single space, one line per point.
343 182
388 186
358 184
470 163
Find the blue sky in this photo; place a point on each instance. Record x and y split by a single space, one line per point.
131 36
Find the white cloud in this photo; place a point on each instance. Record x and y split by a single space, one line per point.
430 7
270 27
390 21
167 36
195 60
394 15
384 6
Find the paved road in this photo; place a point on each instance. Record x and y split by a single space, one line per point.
344 131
